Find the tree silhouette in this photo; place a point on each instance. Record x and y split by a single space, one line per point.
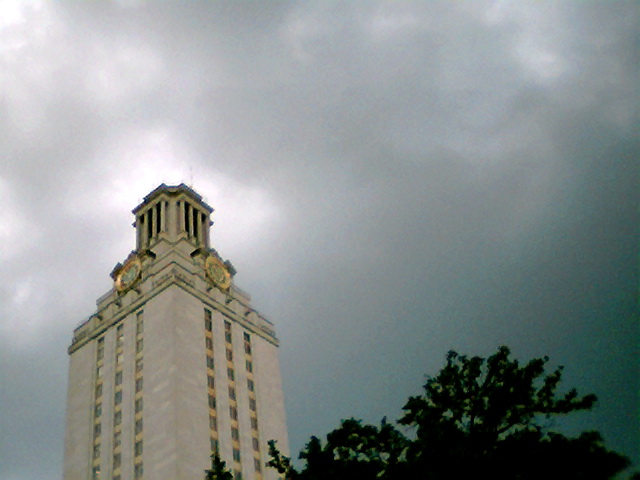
478 418
218 469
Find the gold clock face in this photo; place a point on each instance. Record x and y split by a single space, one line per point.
217 272
128 275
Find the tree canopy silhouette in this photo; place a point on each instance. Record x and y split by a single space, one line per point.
478 418
218 470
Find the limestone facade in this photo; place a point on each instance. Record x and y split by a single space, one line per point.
175 362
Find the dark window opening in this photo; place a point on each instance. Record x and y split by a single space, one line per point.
158 217
187 219
195 223
149 225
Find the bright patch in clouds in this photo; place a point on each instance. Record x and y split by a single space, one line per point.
138 162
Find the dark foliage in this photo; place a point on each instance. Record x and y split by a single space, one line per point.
478 418
218 469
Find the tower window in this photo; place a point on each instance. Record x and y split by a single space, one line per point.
139 322
194 219
119 335
227 332
207 320
236 454
158 217
100 348
187 218
149 225
138 448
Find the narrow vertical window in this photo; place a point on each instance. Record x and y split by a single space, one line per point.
100 348
141 228
203 222
207 320
119 336
139 323
194 219
227 332
187 219
149 225
178 225
158 217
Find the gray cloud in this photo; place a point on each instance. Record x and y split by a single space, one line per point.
392 180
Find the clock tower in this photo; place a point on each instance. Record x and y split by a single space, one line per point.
175 363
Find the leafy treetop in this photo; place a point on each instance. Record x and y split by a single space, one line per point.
477 418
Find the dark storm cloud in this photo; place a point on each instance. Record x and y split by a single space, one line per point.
391 180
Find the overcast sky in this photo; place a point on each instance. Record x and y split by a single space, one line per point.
391 180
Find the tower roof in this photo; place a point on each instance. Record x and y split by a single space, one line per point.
172 190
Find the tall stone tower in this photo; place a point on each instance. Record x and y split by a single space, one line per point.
175 363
